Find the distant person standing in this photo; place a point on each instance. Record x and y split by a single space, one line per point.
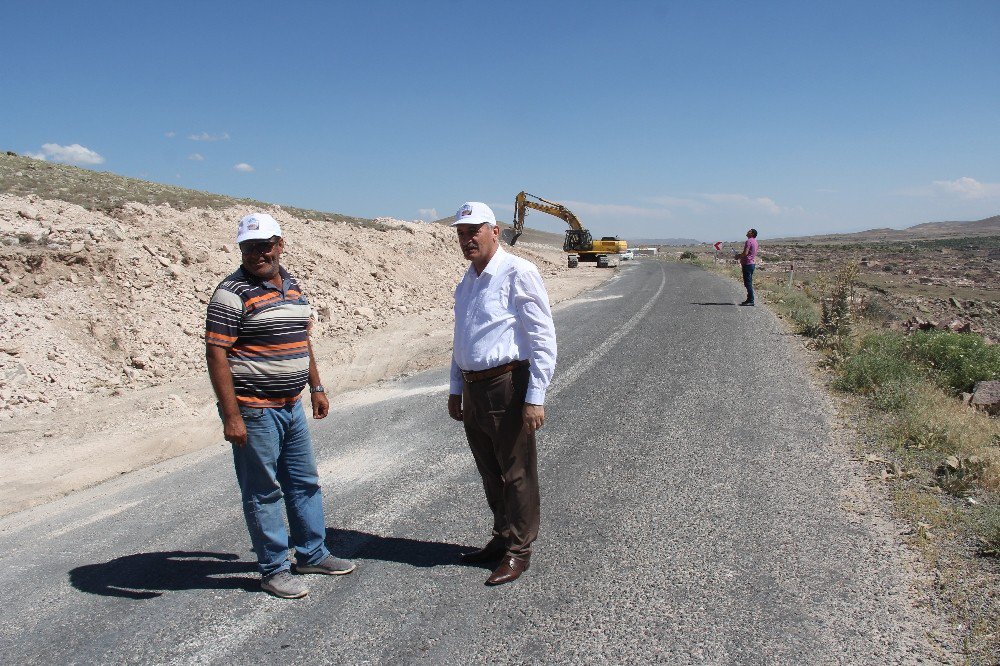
259 359
503 360
748 260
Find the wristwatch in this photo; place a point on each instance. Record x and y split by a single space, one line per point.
317 389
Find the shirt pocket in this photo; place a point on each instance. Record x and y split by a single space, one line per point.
497 303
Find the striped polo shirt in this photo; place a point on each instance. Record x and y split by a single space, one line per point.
265 331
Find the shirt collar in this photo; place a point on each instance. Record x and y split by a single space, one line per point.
495 261
260 282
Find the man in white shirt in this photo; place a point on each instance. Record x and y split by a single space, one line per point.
504 356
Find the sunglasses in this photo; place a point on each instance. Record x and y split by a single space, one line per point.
259 247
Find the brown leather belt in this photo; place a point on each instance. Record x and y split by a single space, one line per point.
490 373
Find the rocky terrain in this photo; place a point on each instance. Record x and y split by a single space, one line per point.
102 314
948 282
926 282
93 303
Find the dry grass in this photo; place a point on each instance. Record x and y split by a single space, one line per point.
104 191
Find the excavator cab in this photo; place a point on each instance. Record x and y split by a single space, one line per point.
577 240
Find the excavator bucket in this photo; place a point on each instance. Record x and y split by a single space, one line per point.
510 236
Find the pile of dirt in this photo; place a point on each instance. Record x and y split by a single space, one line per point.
94 304
102 314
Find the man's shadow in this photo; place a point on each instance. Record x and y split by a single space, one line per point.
731 304
149 575
364 546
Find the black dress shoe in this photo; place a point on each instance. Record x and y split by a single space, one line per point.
494 550
509 570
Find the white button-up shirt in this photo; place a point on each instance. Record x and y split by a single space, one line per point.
503 315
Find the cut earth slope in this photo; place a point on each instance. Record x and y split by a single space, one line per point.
102 314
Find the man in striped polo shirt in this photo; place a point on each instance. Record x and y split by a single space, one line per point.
259 359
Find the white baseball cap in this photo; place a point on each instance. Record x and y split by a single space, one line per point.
474 212
257 226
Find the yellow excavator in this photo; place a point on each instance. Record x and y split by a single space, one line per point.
578 242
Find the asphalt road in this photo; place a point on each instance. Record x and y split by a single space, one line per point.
695 510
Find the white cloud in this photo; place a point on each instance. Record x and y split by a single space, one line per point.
765 204
74 154
170 135
244 167
205 136
679 202
967 188
429 214
586 209
670 207
196 157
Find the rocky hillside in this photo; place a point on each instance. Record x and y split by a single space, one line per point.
99 299
104 191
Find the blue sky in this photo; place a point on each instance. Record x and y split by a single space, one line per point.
648 119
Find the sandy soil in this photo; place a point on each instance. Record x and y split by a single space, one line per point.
101 315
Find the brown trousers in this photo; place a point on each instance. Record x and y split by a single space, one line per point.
505 455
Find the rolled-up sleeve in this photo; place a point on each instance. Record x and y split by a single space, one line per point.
534 316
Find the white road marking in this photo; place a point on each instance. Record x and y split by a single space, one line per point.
371 396
90 520
595 299
567 378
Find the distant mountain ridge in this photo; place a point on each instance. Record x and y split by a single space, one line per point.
989 226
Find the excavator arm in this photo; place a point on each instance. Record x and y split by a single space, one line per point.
522 202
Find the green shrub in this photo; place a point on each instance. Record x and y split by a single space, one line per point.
688 254
879 368
799 308
892 396
956 361
887 363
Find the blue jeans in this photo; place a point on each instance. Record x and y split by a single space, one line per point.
748 280
278 463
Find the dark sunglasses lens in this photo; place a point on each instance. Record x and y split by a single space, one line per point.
252 248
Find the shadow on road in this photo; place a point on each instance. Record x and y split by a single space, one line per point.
730 304
149 575
364 546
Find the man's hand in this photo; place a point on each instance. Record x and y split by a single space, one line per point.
320 405
455 407
235 430
534 417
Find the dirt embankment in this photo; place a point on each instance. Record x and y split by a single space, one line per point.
102 314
